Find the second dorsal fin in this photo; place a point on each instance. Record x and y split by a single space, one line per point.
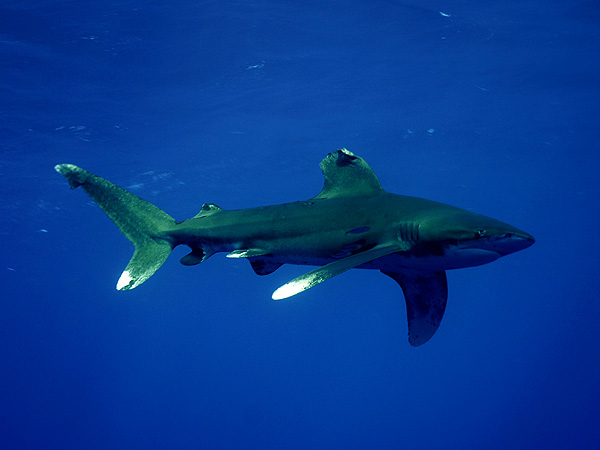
208 209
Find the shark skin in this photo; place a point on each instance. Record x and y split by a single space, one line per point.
352 223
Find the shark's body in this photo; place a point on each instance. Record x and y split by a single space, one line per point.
352 223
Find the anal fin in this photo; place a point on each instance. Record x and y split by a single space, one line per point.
196 256
425 295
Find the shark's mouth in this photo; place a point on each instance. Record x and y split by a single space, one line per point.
467 257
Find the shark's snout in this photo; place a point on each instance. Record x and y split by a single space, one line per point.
511 242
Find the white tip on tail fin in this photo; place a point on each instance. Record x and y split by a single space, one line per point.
147 259
142 223
125 281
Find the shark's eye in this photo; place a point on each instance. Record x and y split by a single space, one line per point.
479 233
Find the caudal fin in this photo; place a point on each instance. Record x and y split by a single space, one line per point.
141 222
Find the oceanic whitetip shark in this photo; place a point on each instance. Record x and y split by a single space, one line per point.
351 223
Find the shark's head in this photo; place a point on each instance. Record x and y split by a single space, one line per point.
467 239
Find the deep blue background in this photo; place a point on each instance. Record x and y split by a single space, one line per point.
492 106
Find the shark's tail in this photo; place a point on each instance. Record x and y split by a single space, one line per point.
142 223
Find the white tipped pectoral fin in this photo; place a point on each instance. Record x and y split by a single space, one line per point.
294 287
330 270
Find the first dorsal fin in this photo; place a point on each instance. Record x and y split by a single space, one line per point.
347 175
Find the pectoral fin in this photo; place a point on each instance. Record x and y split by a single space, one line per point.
327 271
425 295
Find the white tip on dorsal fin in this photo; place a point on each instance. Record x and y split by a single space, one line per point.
347 175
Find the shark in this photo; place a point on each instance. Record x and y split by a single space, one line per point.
352 223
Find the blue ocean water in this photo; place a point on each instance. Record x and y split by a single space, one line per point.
491 106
